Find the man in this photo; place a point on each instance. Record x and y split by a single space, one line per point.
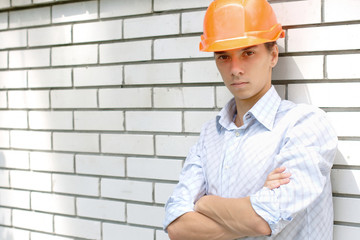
226 189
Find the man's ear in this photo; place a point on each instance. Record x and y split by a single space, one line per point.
274 55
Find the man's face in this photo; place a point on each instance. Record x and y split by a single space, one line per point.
246 72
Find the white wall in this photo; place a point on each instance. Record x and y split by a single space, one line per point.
100 101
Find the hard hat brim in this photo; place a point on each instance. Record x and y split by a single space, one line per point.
235 43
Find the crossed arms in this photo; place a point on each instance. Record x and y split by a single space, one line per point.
217 218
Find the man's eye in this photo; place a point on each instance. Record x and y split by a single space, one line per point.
249 53
223 57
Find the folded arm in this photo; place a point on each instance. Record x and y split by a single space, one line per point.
237 214
196 226
217 218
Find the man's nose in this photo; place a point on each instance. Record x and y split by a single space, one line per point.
237 67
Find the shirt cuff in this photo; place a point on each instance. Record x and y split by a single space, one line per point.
266 204
174 210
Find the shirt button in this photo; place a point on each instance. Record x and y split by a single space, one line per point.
237 134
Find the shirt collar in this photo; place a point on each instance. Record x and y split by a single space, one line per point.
264 111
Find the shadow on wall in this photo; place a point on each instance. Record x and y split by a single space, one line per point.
345 175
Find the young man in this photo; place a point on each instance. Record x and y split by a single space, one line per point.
226 187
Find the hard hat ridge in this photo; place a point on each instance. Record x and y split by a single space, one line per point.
231 24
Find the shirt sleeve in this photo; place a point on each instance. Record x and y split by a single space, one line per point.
309 147
190 188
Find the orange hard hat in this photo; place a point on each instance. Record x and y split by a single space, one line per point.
232 24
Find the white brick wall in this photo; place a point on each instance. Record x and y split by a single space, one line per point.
101 100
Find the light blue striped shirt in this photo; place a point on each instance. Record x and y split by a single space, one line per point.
234 162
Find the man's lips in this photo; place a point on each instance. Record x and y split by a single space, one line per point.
239 84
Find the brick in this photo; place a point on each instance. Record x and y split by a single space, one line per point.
3 59
323 38
346 209
29 17
187 97
98 76
345 123
76 142
223 95
161 235
50 120
163 169
12 79
77 227
192 22
345 181
281 90
177 146
13 119
15 198
127 144
5 216
4 139
49 78
159 25
30 140
29 58
29 99
52 203
113 231
20 2
155 121
204 71
78 185
98 31
74 55
14 159
5 4
30 180
33 220
126 189
173 48
103 209
161 73
4 180
287 12
53 35
145 215
73 12
13 233
348 153
99 120
125 51
3 20
100 165
111 8
193 121
13 39
342 66
163 191
345 232
84 98
43 236
125 98
3 99
52 162
335 11
314 94
303 67
162 5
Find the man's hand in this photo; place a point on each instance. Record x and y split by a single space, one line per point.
277 178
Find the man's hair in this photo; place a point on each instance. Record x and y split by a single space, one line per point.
270 45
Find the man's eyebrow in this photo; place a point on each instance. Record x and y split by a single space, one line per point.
244 49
